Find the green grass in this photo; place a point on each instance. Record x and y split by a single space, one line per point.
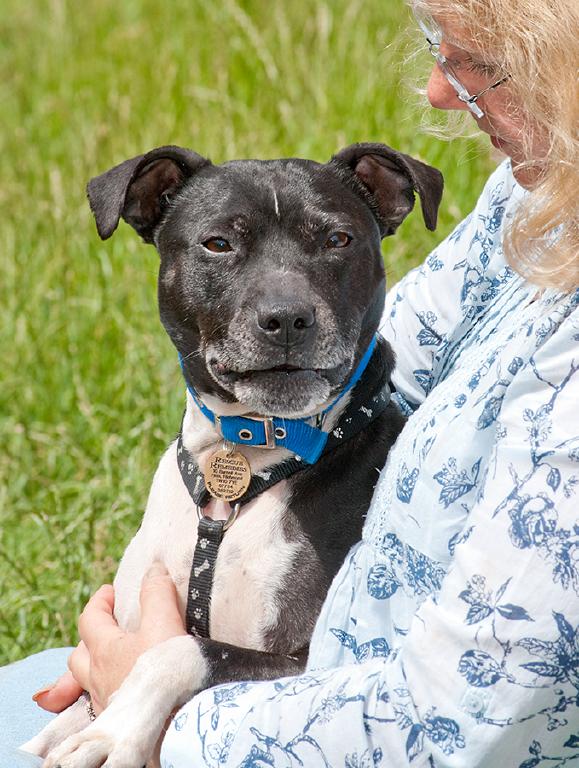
90 390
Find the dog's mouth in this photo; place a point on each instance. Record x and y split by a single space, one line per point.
222 371
289 390
283 372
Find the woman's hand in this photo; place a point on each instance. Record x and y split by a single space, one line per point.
106 654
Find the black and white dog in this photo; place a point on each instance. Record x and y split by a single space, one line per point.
271 287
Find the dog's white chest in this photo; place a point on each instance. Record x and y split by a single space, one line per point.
253 559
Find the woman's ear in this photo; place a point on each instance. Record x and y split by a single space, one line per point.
391 178
137 189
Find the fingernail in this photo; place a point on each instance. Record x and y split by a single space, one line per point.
157 569
42 691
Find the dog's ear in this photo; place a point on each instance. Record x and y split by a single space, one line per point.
391 178
139 189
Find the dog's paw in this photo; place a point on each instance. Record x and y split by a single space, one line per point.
98 745
124 735
72 720
77 751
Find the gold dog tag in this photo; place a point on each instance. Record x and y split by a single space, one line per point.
227 475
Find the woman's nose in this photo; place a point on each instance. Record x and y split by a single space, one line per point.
440 92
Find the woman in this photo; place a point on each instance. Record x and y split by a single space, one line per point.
450 636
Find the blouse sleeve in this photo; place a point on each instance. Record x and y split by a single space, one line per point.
424 310
487 674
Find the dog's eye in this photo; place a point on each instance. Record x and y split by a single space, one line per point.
338 240
217 245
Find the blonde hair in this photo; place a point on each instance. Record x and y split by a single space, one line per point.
537 44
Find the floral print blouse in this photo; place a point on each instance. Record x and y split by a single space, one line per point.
450 635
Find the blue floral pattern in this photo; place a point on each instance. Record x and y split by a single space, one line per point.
419 573
450 636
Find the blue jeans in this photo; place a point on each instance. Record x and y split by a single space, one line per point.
20 717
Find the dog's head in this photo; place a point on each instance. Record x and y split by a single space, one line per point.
271 282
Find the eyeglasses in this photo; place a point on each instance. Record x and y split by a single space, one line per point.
433 35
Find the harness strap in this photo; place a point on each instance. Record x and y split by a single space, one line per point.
209 535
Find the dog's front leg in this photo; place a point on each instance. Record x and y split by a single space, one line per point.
125 733
164 677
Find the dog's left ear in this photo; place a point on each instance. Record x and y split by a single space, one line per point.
139 188
391 178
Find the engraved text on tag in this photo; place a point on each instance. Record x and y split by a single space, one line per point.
227 475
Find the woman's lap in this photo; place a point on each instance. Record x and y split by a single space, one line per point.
20 717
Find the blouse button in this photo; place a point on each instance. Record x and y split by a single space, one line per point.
474 702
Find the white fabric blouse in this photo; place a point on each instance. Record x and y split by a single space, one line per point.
450 635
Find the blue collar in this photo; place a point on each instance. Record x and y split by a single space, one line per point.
296 435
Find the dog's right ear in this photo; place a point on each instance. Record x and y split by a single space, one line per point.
139 188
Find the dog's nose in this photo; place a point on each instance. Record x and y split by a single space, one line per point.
286 324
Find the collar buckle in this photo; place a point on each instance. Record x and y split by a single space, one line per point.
269 431
245 436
